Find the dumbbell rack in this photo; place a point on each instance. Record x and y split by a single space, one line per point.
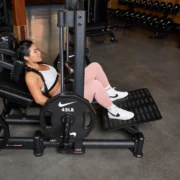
165 24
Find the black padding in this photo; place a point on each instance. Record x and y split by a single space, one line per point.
15 92
96 26
17 70
8 52
141 103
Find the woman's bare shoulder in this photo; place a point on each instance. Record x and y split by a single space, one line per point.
31 76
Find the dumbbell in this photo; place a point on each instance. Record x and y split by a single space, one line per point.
133 2
153 20
125 14
144 18
148 19
178 28
144 4
130 15
150 5
122 13
138 3
111 12
126 2
141 18
169 8
133 16
120 1
156 5
117 13
167 24
136 16
123 1
176 8
158 23
163 7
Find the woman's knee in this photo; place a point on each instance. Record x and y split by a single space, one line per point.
90 89
96 65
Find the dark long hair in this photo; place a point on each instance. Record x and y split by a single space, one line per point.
23 49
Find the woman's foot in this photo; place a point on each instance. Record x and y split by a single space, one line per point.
115 112
115 95
118 95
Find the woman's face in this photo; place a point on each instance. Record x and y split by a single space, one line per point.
34 55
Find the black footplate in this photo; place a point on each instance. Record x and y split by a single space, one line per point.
138 101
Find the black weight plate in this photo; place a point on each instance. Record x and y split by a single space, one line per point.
69 105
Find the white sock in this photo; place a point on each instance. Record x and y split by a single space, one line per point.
110 91
112 109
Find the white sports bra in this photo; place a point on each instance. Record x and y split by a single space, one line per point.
50 77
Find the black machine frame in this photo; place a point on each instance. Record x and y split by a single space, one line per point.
39 142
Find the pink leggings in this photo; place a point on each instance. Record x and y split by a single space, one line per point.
95 82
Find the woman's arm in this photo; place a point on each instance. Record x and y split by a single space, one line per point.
33 85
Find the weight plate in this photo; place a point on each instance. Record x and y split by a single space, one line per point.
67 105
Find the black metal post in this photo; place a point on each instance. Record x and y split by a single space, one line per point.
67 37
27 120
80 4
61 24
73 4
138 147
38 144
5 12
66 4
79 52
67 122
108 143
28 143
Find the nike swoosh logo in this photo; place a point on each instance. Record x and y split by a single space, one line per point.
114 96
66 104
73 134
116 115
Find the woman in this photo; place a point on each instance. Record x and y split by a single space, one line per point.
96 84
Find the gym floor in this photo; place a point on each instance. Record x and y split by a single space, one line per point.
134 62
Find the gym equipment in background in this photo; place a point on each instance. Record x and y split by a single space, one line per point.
5 16
96 20
160 25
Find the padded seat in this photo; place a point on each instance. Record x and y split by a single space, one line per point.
15 92
96 26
